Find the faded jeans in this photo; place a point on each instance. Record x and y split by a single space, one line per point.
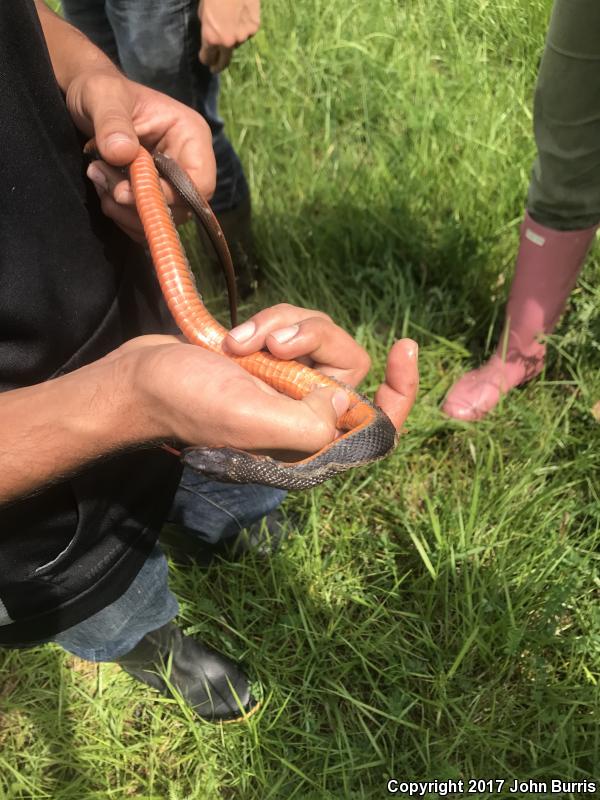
156 43
208 510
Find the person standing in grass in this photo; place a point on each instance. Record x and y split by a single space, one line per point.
563 208
179 47
91 379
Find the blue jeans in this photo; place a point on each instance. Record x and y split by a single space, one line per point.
209 511
156 43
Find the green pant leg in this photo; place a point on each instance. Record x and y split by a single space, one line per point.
564 193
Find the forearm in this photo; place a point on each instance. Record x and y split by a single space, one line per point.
50 430
70 51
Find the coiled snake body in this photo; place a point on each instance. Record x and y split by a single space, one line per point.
368 433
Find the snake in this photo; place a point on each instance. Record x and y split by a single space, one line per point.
366 434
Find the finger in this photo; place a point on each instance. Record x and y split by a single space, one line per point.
397 395
278 423
123 216
284 333
111 114
189 142
208 54
223 59
330 349
251 17
251 335
112 180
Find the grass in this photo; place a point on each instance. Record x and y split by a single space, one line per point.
435 616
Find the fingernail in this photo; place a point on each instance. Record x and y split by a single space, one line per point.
243 332
285 334
340 402
124 196
412 351
97 176
118 138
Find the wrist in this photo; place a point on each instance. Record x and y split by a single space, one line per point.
101 414
143 398
70 51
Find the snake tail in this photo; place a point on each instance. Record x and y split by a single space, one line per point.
171 171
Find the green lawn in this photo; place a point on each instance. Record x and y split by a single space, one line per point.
435 616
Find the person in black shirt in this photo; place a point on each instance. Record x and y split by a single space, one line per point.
91 374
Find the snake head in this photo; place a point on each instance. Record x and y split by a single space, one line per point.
217 463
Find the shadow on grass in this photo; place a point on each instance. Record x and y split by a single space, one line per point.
389 267
376 262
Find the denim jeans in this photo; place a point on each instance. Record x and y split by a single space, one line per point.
156 43
208 510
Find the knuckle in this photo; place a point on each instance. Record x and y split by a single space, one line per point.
321 315
279 314
317 317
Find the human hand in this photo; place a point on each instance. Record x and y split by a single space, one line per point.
311 337
305 335
225 24
203 398
397 394
120 114
184 392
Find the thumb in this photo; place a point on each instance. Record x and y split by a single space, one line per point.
280 424
115 136
327 405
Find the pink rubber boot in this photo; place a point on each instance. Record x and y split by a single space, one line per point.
547 267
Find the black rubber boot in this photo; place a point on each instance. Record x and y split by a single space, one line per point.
214 686
263 539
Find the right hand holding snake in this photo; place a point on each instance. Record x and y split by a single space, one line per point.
312 338
188 394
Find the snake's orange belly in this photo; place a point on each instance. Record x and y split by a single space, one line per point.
289 377
178 286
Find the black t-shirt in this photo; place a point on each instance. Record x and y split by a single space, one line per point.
72 288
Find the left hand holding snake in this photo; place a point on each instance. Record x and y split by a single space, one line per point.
120 113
